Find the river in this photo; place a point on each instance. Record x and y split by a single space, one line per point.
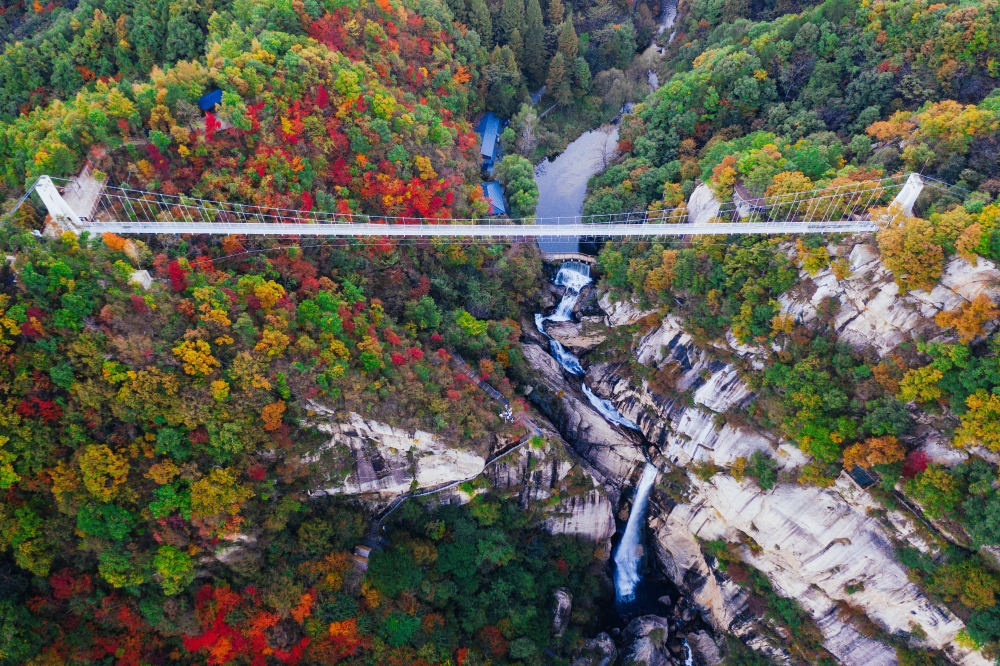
629 555
562 183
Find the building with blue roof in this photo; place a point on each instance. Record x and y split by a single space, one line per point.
489 133
494 195
210 100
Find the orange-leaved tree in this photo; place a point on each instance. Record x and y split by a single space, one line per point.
970 319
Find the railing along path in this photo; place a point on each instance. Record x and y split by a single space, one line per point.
84 204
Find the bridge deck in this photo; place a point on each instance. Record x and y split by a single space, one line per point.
478 230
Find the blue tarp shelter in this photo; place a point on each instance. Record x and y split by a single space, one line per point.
863 477
210 100
494 194
489 132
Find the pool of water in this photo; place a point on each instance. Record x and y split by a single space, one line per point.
562 182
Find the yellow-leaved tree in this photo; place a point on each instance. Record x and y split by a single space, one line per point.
216 500
981 423
103 470
874 451
908 248
921 384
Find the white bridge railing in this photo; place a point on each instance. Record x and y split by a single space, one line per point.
83 204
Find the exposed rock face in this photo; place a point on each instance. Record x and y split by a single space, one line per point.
537 473
813 542
726 604
685 433
578 337
589 516
561 613
388 460
598 651
621 313
702 206
871 309
703 649
612 452
647 637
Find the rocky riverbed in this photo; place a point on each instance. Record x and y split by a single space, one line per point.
813 544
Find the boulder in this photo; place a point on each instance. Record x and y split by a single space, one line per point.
578 337
647 639
703 205
561 613
586 304
597 651
621 313
704 651
530 332
141 278
969 280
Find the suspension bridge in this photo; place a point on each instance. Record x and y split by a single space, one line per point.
85 204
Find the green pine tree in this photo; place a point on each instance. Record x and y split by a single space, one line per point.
147 32
581 77
533 59
569 43
481 21
460 10
516 44
185 37
511 19
558 82
503 82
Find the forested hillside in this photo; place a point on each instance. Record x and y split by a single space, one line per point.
144 432
834 97
816 87
165 446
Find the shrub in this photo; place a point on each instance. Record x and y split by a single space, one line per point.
522 648
763 470
393 571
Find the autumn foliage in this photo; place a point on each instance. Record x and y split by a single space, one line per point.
874 451
969 320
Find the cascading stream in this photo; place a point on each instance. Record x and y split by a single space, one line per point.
574 280
607 409
629 554
628 557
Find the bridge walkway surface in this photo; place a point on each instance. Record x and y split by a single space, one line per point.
83 204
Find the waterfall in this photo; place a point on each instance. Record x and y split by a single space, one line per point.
607 409
574 276
628 557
